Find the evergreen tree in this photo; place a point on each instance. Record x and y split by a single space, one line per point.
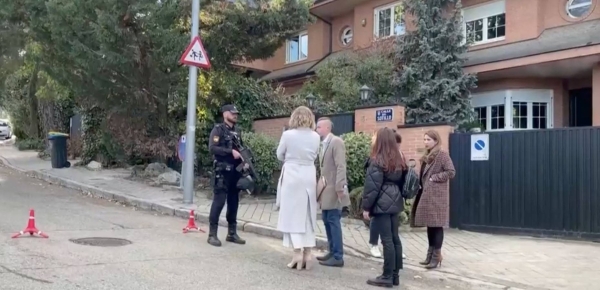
432 82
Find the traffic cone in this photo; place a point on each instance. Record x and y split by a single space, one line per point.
192 224
31 229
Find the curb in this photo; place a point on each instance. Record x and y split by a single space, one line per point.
243 225
181 212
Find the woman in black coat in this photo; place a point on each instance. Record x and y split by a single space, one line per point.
382 201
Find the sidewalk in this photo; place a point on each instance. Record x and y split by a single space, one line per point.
511 261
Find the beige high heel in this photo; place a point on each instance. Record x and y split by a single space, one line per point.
307 258
297 261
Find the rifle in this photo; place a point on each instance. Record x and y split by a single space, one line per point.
246 168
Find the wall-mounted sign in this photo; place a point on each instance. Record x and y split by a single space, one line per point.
480 147
384 115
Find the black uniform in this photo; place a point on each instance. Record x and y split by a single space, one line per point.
221 144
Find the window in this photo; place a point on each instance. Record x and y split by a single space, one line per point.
578 8
297 48
514 109
389 21
481 113
346 37
519 115
539 116
485 23
497 117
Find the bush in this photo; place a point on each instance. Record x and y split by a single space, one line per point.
265 161
357 151
356 203
30 144
405 215
356 208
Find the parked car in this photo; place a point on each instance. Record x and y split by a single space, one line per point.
5 130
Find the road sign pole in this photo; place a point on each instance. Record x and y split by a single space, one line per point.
182 174
188 176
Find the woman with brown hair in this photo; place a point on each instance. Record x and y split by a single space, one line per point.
382 201
432 203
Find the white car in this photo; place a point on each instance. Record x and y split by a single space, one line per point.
5 130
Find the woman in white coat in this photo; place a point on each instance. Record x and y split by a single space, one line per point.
296 190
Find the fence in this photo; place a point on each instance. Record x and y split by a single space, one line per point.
544 182
342 123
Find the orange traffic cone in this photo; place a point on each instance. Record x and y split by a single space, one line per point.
31 229
192 224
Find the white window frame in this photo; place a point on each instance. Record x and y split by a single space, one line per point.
507 97
376 20
288 52
484 11
570 6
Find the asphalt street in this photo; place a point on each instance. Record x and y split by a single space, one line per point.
159 256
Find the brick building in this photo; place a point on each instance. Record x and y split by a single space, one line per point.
537 61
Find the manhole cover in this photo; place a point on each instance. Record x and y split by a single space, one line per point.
101 242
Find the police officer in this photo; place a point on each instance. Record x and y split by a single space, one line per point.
226 158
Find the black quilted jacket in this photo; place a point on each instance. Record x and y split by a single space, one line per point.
382 190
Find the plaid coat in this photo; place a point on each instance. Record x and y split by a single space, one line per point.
432 204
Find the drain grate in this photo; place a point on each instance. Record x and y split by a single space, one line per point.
101 242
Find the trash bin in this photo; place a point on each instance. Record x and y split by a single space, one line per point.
58 150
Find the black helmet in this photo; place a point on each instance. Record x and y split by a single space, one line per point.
246 183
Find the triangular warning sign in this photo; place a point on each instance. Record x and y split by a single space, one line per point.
195 55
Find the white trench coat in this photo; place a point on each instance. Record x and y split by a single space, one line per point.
297 187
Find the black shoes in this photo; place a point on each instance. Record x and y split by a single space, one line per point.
213 240
383 281
332 262
233 237
325 258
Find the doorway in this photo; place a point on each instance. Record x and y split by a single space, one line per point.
580 107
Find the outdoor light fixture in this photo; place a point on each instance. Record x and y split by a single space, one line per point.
310 99
365 93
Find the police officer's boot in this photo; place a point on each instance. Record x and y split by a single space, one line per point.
233 237
213 240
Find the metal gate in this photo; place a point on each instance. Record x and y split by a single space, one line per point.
544 182
342 123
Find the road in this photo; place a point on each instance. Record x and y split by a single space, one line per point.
159 257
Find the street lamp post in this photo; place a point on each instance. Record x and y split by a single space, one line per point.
365 93
310 100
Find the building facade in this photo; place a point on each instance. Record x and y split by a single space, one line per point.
537 61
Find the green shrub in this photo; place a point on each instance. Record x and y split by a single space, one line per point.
357 151
30 144
356 207
265 161
356 203
405 214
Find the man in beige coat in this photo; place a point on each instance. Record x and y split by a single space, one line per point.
332 192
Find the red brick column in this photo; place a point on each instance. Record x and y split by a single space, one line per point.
365 118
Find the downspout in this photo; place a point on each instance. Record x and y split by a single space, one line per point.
330 41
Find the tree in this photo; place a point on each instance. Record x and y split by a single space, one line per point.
432 81
337 81
119 59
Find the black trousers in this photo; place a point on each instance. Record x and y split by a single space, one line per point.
373 235
225 192
387 227
435 236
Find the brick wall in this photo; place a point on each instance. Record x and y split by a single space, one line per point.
364 119
272 127
412 138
